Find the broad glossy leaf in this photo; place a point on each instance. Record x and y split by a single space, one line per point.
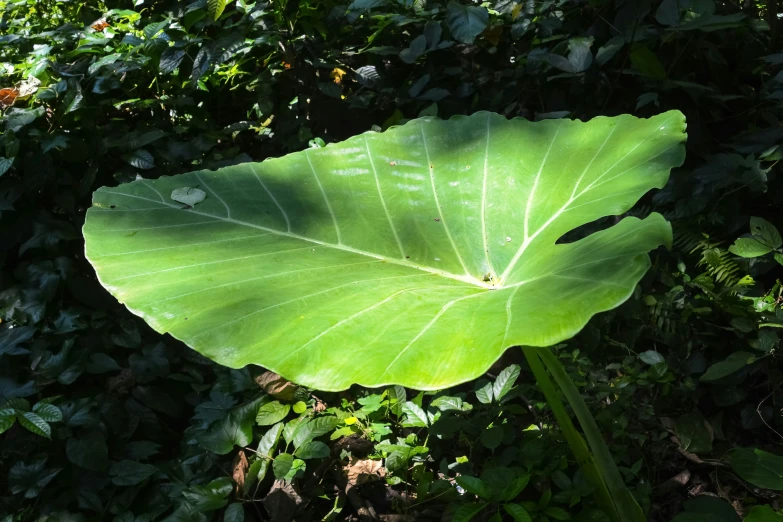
758 467
414 256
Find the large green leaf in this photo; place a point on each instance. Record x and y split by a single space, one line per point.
414 256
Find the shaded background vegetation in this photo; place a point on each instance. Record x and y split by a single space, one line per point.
105 420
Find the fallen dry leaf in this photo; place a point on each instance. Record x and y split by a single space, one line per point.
8 96
239 468
360 472
276 386
99 25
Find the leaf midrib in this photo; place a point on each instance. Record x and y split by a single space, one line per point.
462 278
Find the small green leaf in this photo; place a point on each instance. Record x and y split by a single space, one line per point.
130 473
646 62
765 232
48 412
693 433
5 164
7 419
505 381
234 513
492 437
758 467
651 357
557 513
282 465
215 8
414 416
272 413
35 424
749 247
466 512
485 394
476 486
300 407
312 450
141 159
188 196
447 403
733 363
763 514
265 450
517 512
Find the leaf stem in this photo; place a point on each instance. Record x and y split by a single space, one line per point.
625 505
574 439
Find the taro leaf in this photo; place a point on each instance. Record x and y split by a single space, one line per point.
414 256
758 467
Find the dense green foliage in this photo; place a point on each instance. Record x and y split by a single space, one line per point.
105 420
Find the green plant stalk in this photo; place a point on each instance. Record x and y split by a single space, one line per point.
575 441
623 501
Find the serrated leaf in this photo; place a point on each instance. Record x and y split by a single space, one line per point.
48 412
485 394
505 381
428 289
415 416
35 424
